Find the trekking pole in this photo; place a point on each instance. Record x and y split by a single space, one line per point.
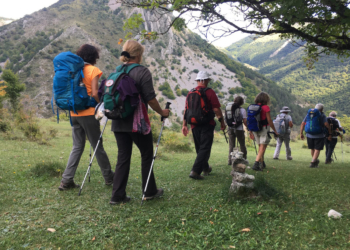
256 152
90 160
342 152
93 155
225 136
335 156
167 106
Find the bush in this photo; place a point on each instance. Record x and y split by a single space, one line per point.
184 92
166 90
178 92
174 142
48 169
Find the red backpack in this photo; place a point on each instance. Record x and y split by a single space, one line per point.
197 112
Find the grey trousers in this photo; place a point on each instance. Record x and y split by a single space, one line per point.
286 139
239 134
86 126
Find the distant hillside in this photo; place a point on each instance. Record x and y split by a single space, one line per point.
281 61
30 44
4 21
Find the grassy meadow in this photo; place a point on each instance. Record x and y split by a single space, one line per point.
290 212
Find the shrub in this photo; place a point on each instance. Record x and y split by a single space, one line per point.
166 90
178 92
184 92
174 142
196 71
48 169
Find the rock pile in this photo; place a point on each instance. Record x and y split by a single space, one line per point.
240 178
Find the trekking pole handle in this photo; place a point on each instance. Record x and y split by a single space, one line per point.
167 106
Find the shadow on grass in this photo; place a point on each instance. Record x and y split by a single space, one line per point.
262 190
47 169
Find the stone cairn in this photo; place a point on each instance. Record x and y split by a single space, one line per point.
241 179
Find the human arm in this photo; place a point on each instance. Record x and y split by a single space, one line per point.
154 104
269 120
184 126
290 124
326 124
302 126
220 117
94 88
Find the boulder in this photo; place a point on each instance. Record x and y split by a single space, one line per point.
242 178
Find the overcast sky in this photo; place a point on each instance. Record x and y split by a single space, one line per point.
16 9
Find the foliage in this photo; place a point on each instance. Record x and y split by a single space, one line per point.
176 142
13 88
166 90
48 169
322 24
184 92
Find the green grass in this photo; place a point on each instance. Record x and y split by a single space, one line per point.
192 214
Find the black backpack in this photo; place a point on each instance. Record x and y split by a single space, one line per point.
333 123
197 111
233 115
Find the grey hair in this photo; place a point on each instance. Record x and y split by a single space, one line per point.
333 114
319 106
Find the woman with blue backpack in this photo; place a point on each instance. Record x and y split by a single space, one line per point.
85 125
315 123
259 122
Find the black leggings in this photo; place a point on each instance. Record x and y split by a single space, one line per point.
122 169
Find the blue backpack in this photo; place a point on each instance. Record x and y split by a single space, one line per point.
69 92
314 124
253 118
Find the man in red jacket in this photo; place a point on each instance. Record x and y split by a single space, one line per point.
203 131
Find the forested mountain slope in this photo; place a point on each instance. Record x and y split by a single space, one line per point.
28 46
281 61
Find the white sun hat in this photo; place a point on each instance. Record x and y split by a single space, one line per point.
202 75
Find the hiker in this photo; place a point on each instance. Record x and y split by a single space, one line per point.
85 125
235 127
283 124
314 123
125 133
259 128
335 125
202 105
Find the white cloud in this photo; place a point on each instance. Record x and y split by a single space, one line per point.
16 9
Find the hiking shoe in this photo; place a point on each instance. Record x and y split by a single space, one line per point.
195 176
328 162
206 173
316 163
275 158
66 186
123 201
256 166
159 193
109 181
289 158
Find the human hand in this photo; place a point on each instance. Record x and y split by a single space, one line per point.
223 126
251 135
302 136
329 138
165 113
276 134
185 130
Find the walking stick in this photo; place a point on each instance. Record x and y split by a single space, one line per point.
155 153
225 136
335 155
93 155
90 160
342 152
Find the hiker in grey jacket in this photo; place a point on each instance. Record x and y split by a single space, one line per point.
286 137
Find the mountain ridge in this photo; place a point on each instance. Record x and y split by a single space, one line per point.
29 45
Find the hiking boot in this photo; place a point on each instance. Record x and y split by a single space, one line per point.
66 186
256 166
316 163
289 158
159 193
195 176
123 201
109 181
275 158
328 162
312 164
206 173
